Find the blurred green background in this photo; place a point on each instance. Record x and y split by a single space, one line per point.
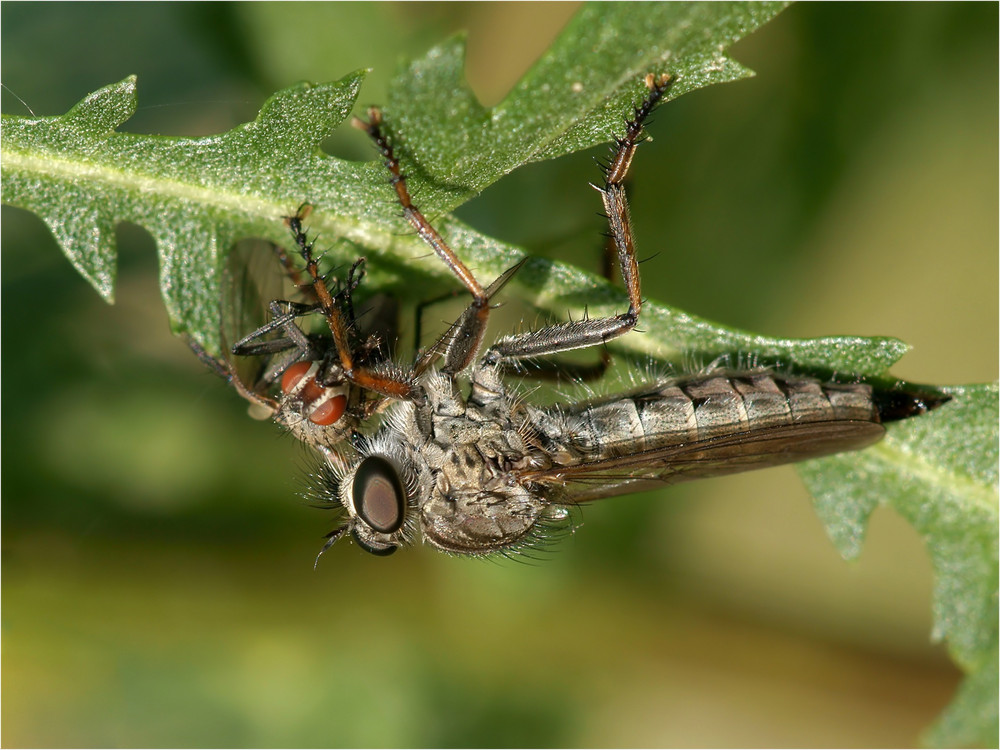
157 565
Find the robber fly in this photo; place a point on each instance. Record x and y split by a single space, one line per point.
485 472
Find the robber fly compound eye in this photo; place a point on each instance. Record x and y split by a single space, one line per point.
375 498
378 495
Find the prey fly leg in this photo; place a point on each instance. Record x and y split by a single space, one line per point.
343 363
329 382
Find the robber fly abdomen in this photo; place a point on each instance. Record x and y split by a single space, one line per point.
709 425
699 408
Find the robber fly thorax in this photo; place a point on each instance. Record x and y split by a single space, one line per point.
488 471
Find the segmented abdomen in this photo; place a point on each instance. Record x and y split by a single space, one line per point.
698 408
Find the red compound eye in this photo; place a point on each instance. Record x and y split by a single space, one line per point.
293 375
310 392
329 411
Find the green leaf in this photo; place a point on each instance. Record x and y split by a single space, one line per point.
579 89
197 197
971 718
940 473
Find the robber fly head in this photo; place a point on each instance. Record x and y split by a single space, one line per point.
375 488
452 477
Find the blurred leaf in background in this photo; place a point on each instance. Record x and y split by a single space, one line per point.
157 587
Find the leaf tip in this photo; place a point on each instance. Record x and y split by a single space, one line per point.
105 109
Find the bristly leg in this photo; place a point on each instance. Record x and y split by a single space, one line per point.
462 348
295 345
595 331
227 372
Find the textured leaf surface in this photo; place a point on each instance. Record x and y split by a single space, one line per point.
196 196
199 196
582 85
940 473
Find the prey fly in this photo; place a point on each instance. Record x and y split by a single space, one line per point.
326 386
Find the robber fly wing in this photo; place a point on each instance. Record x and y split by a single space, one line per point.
725 454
